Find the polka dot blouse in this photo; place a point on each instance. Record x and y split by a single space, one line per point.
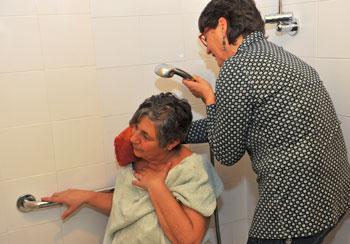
273 106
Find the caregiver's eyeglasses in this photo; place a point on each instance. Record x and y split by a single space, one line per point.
202 37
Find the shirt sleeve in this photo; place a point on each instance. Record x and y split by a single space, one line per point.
197 132
228 121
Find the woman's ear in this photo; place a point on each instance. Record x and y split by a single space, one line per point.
173 144
222 23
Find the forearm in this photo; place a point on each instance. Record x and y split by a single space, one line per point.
174 221
100 201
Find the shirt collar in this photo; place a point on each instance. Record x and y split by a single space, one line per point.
251 38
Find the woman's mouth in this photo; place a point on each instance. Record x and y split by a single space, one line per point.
136 148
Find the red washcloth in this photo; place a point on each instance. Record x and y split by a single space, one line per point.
123 147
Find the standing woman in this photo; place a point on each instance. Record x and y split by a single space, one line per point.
273 106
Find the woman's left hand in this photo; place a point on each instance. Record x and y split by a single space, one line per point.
151 175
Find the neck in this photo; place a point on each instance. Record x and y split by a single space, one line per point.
164 158
233 48
175 157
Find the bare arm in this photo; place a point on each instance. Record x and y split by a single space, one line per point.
180 223
74 199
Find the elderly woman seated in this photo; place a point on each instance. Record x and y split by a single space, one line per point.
167 194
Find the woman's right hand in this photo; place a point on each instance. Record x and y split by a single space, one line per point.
72 198
201 88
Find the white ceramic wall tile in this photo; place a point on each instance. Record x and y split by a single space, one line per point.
49 233
87 226
121 91
345 124
78 142
47 6
304 43
286 2
74 6
232 174
267 3
88 178
63 6
111 170
67 40
312 61
4 239
212 234
17 7
3 220
336 77
115 7
193 6
240 231
16 54
112 127
252 192
227 233
117 41
273 4
73 93
23 99
199 111
162 38
193 47
39 186
26 151
156 7
233 204
333 38
340 235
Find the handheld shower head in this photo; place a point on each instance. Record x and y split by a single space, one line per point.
167 71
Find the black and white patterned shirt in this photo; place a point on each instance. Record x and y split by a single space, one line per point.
274 106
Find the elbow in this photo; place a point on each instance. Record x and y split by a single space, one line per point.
229 158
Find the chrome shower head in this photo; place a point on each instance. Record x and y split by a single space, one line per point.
168 71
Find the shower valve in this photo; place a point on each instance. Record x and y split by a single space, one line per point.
286 22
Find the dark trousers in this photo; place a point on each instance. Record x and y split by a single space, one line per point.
314 239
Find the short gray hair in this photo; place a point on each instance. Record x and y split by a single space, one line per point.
172 117
242 17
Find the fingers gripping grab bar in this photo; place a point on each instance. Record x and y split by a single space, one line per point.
27 203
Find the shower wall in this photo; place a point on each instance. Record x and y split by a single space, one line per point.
72 72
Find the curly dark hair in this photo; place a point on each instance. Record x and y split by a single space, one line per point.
242 17
172 117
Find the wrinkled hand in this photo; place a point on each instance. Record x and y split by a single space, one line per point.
200 88
72 198
151 175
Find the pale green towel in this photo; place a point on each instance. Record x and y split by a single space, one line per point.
193 182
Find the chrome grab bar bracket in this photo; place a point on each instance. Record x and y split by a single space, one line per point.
21 201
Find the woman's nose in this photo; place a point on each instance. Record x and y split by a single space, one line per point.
134 138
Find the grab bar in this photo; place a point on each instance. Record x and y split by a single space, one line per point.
27 203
